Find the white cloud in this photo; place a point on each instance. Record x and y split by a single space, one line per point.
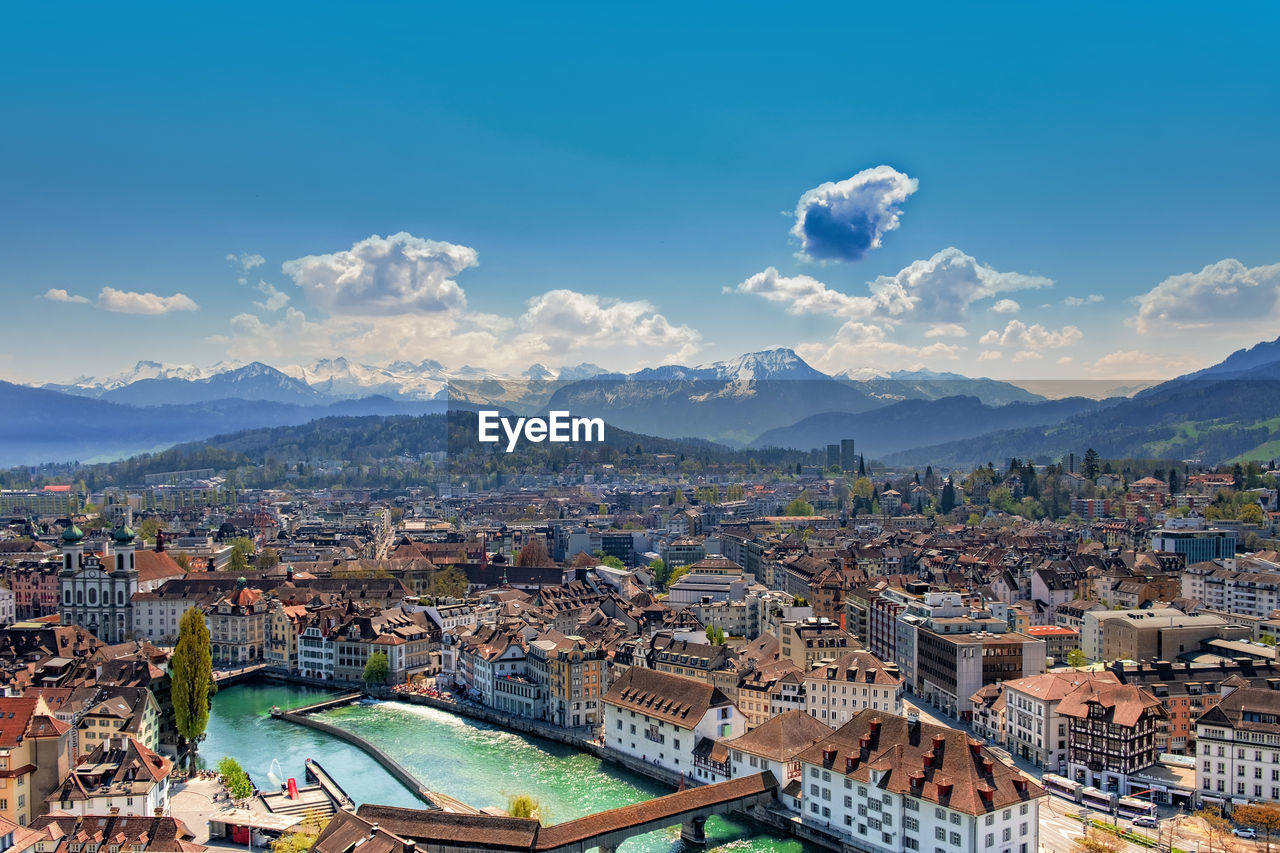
563 321
846 219
935 290
385 275
991 355
1225 293
1135 364
1018 334
132 302
1075 301
1006 306
946 330
1066 359
244 263
951 352
275 299
1027 355
58 294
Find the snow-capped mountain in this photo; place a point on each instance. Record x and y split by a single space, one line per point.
91 386
765 365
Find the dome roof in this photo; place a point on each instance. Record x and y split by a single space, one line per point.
122 534
72 534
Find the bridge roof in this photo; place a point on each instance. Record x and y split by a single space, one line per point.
450 829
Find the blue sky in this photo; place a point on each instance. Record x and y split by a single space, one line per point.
614 183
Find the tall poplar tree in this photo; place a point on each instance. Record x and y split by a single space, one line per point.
192 680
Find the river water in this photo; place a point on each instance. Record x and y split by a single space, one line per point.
477 763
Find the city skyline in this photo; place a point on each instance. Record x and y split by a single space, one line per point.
1028 199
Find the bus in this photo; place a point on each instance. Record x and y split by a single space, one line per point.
1096 799
1132 807
1062 786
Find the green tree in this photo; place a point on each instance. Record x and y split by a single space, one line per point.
183 561
191 674
524 806
267 559
612 562
148 528
1076 658
377 669
1089 469
660 573
678 573
1251 514
947 501
241 548
302 837
1174 483
798 507
449 582
234 779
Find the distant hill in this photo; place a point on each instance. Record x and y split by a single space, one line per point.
42 425
911 423
932 385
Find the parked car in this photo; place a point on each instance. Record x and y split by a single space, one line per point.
1146 820
1244 832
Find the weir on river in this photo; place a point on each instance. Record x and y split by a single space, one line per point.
478 764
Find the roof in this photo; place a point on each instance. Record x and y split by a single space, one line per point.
677 700
781 737
15 716
1125 703
1053 686
922 760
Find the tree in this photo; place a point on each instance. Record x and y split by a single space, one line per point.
1251 514
1174 483
612 562
798 507
267 559
234 779
377 669
678 573
183 561
241 548
1089 468
1264 817
1076 658
1095 840
715 635
449 582
1217 827
660 573
524 806
947 502
191 673
148 528
302 837
534 554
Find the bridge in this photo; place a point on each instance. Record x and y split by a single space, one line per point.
448 832
235 675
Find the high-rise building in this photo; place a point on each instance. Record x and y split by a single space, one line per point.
848 459
833 456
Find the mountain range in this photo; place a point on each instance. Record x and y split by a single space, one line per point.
771 398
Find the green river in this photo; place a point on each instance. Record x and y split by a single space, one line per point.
477 763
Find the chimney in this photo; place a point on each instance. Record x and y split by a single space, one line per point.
939 740
975 746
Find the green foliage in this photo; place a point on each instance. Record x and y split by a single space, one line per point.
661 574
148 528
377 669
303 836
798 507
449 582
183 560
1076 658
612 562
524 806
715 635
241 548
677 574
191 671
234 779
268 558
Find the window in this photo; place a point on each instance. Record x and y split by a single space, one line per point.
940 834
955 818
955 839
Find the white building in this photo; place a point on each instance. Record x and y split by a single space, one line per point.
1238 748
886 784
834 692
120 775
1034 730
8 607
97 592
316 653
664 720
773 746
